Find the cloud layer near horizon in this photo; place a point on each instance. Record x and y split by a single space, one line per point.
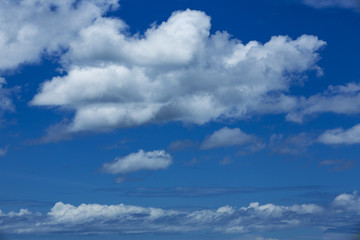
127 219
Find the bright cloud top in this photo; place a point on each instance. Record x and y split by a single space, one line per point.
43 27
228 137
140 160
176 71
128 219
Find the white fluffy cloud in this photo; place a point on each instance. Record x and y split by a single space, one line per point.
127 219
341 136
228 137
176 71
140 160
29 28
348 202
333 3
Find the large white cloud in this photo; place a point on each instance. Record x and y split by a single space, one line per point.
341 136
176 71
29 28
128 219
140 160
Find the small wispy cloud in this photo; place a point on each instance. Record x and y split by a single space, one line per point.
182 145
350 4
338 165
4 150
138 161
341 136
226 137
292 145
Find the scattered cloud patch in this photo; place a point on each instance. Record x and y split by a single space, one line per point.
175 71
228 137
128 219
341 99
341 136
140 160
291 145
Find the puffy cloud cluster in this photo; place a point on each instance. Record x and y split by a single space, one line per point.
127 219
140 160
175 71
29 28
348 202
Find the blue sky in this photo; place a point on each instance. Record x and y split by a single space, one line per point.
133 119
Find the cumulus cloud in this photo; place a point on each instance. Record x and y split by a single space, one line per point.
128 219
341 99
29 28
228 137
348 202
333 3
140 160
341 136
175 71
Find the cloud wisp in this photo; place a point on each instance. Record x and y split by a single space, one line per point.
341 136
350 4
341 99
128 219
229 137
154 160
